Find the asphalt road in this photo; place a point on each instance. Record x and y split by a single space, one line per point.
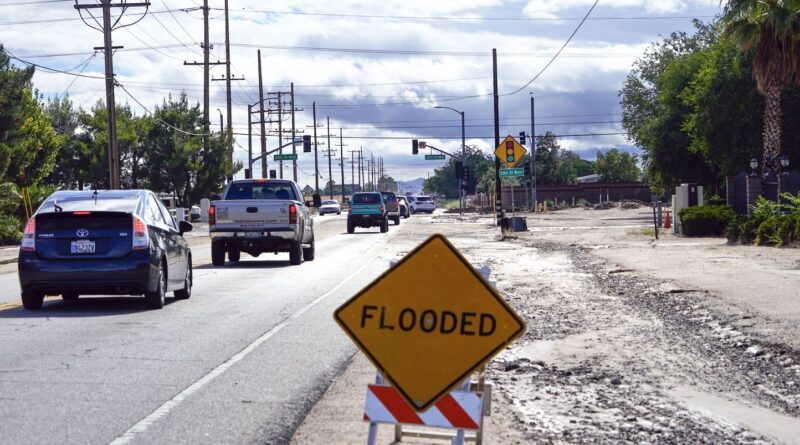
242 361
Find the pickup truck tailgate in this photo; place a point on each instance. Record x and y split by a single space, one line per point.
251 215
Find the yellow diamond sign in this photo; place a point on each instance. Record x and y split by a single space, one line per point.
430 322
510 152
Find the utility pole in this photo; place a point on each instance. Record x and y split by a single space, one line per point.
353 163
341 161
316 152
294 134
108 48
264 171
498 181
534 198
250 140
361 168
228 79
330 159
280 130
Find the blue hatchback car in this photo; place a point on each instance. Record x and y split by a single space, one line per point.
104 243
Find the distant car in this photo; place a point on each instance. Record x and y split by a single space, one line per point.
104 243
405 208
195 214
422 204
392 207
367 210
330 207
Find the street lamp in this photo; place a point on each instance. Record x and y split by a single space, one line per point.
463 153
785 165
221 125
753 166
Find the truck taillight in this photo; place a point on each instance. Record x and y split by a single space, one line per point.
383 209
29 236
141 239
212 215
292 214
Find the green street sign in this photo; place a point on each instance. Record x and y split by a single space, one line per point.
291 157
435 157
512 172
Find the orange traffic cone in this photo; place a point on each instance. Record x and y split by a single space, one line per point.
668 221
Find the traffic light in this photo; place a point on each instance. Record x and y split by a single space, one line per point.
415 147
273 174
522 138
510 152
465 174
307 144
248 174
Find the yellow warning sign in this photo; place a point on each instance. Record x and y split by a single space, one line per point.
510 152
430 322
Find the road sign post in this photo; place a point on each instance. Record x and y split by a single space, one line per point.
442 327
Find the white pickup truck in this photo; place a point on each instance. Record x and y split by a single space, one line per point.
259 216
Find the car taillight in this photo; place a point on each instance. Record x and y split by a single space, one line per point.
141 240
29 237
292 214
212 215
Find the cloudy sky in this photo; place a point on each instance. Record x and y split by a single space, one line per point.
377 69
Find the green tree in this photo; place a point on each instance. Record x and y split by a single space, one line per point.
616 166
71 165
770 29
28 143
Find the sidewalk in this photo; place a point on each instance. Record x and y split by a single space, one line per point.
8 254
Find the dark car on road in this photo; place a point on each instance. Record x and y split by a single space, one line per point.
104 243
392 207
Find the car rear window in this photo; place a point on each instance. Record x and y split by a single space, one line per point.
367 198
329 203
268 190
90 203
423 199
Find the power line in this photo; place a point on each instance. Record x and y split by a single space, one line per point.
559 51
37 2
162 121
578 135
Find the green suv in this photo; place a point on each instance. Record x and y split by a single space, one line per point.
367 210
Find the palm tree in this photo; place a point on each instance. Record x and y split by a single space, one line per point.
771 29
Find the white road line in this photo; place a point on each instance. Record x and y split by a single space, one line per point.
171 404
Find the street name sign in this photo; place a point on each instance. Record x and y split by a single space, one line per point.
510 152
430 322
289 157
435 157
512 172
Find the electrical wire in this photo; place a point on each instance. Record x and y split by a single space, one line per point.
162 121
578 28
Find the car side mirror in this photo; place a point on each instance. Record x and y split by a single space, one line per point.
216 197
317 200
185 227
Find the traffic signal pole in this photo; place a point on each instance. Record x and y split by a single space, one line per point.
534 198
498 181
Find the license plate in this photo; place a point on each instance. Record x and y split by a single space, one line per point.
83 247
365 216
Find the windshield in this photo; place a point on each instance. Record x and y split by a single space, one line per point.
329 203
243 191
424 199
367 198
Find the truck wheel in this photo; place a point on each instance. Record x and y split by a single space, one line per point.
217 254
296 253
308 252
385 225
397 221
234 255
32 300
351 228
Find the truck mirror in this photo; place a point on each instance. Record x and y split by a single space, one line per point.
216 197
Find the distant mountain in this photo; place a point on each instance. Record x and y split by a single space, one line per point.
414 187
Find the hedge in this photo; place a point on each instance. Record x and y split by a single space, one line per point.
711 220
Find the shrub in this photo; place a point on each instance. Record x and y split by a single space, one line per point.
706 220
715 200
10 230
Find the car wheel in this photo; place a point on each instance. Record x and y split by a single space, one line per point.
296 253
385 225
309 252
217 254
70 296
339 213
234 255
351 228
155 300
32 300
186 292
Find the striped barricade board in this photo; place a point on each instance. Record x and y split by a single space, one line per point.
457 410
